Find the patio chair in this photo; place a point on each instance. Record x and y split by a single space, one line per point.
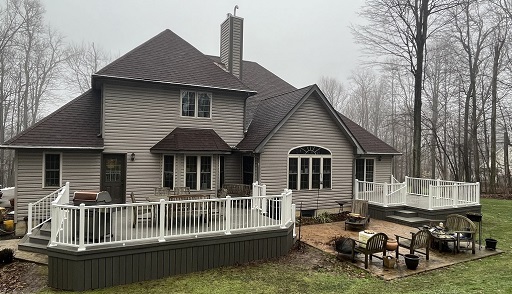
418 240
162 192
143 213
463 229
360 207
375 244
181 190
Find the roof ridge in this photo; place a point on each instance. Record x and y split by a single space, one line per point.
44 119
286 93
128 53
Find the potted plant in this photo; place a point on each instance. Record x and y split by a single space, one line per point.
490 243
411 261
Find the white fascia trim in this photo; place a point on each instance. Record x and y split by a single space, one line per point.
375 153
177 84
49 147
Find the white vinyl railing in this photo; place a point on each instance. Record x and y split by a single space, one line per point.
85 226
378 193
39 212
422 193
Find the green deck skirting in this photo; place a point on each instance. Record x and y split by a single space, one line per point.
96 268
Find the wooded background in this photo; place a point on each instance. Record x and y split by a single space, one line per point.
440 69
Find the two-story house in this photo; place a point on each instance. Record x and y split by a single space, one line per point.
165 114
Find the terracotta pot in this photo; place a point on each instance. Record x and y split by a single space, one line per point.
391 245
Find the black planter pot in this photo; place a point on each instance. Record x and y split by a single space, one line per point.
411 261
490 243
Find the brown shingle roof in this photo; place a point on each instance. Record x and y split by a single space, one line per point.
260 79
168 58
74 125
270 113
369 142
194 140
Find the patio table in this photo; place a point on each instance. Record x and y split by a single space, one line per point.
441 238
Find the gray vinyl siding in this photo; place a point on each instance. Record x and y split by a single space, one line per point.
231 45
233 169
383 170
320 130
137 118
81 169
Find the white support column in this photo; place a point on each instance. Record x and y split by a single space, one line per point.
161 220
65 195
81 228
228 215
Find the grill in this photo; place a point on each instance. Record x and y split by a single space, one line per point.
97 220
91 198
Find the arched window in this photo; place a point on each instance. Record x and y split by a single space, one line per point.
309 167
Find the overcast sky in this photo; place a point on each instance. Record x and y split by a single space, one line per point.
298 40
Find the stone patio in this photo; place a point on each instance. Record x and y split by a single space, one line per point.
319 236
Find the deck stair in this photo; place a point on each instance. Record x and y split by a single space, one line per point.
37 241
408 218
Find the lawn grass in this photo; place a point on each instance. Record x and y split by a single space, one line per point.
488 275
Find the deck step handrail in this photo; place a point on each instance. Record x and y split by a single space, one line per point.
39 212
87 226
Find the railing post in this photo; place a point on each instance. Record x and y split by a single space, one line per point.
29 220
385 195
65 196
161 220
81 227
264 205
455 195
283 209
356 189
54 225
477 192
255 193
228 215
293 220
430 196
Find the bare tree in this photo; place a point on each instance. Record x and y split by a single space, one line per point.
334 91
400 28
82 61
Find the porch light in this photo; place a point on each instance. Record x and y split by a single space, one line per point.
132 157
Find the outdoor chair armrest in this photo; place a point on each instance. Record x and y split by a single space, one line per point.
402 237
354 241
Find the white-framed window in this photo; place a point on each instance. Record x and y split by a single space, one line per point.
52 170
365 168
196 104
168 171
198 172
309 167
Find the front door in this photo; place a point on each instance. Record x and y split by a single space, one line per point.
113 176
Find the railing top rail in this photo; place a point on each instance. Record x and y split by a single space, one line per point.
168 202
49 195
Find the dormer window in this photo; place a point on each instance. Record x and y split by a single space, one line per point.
196 104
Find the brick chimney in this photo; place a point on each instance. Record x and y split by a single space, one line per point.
231 44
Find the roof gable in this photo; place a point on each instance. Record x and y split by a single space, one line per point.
167 58
273 112
75 125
